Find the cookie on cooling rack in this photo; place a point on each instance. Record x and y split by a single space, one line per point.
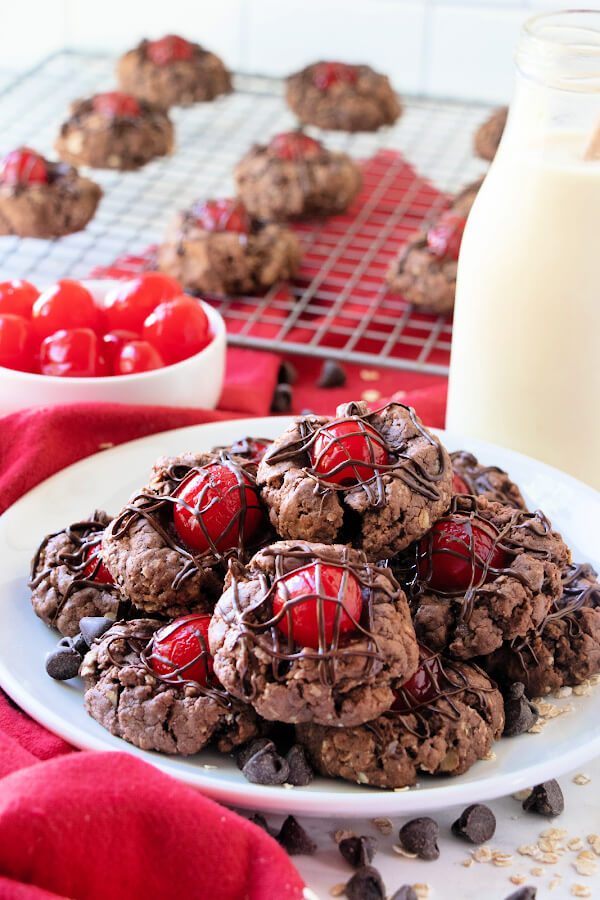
167 548
69 580
564 650
172 71
216 248
443 720
342 97
491 482
151 685
487 137
114 131
377 480
484 574
295 175
312 633
43 199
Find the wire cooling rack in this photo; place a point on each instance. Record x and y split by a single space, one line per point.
338 306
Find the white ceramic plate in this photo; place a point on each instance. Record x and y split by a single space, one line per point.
107 479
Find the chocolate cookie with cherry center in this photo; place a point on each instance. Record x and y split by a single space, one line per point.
443 720
114 131
43 199
172 72
342 97
216 248
169 545
564 650
491 482
295 175
312 633
484 574
489 134
377 480
152 685
69 580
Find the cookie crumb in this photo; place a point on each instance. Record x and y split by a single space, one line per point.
563 692
383 825
467 863
421 890
342 834
583 689
586 863
595 679
369 375
538 872
580 890
482 854
537 728
522 795
490 756
517 879
575 844
581 779
594 842
502 859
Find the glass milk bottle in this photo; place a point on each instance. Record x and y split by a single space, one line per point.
525 366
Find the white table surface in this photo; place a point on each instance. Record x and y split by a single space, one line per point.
447 878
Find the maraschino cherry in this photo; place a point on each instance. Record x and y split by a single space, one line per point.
95 570
342 449
424 686
252 449
445 237
17 298
226 509
459 485
294 145
23 166
304 590
115 103
180 650
460 551
328 73
171 48
222 215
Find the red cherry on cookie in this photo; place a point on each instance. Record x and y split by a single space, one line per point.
67 304
137 356
180 650
445 237
16 344
226 509
252 449
127 305
222 215
459 485
114 103
341 448
294 145
178 329
17 297
425 685
300 592
23 166
73 353
328 73
169 49
95 570
456 551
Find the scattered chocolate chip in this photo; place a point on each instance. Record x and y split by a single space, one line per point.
266 767
248 750
525 893
294 839
477 824
406 892
63 663
288 373
358 851
519 713
332 375
282 399
93 627
79 644
258 819
301 772
420 836
365 884
546 799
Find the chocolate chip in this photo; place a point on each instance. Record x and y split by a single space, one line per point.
358 851
63 663
248 750
93 627
546 799
406 892
301 772
282 399
288 373
79 644
266 767
294 839
258 819
332 375
365 884
519 713
420 836
477 824
525 893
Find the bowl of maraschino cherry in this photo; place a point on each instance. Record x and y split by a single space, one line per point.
141 341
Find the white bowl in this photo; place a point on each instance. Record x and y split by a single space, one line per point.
193 382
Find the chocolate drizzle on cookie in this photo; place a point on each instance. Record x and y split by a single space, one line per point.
402 464
489 480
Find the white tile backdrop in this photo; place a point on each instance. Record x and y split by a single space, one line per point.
444 48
